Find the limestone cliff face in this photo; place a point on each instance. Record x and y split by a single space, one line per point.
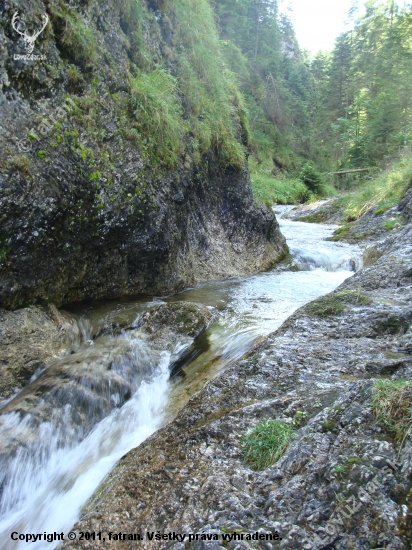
90 208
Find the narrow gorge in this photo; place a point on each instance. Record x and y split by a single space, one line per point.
205 278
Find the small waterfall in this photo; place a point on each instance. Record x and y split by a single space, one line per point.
54 457
63 433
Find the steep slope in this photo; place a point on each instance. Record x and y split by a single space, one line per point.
122 166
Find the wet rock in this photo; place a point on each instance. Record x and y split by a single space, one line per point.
179 317
31 338
342 483
86 213
324 211
77 391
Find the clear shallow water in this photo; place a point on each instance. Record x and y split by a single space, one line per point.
59 441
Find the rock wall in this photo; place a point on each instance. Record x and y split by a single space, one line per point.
85 211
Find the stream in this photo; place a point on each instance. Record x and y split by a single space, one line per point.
63 433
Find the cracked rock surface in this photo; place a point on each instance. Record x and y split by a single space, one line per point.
342 483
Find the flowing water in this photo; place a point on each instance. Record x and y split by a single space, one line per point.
66 430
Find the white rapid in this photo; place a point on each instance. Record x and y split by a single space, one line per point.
60 444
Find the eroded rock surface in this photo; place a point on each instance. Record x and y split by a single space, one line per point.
29 339
77 391
343 482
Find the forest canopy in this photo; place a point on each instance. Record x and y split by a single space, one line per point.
343 109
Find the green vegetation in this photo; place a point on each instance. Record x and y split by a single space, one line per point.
310 176
158 114
78 38
342 110
379 193
22 163
299 418
335 304
341 470
392 403
328 426
282 189
229 76
392 223
266 443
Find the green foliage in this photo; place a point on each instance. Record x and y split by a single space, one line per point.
310 176
392 403
366 88
393 222
328 426
213 103
270 190
158 114
73 74
381 192
266 443
335 304
41 155
340 470
79 39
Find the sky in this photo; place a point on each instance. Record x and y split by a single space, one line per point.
318 22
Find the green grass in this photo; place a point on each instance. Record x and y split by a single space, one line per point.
392 403
214 105
341 470
380 193
266 443
158 115
335 304
79 39
270 190
392 223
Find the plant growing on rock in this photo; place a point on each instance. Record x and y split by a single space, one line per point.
335 304
392 403
21 163
266 443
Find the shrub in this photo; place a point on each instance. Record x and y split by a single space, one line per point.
311 178
266 443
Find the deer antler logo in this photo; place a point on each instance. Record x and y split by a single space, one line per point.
20 27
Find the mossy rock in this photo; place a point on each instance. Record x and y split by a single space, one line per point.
340 233
181 317
336 304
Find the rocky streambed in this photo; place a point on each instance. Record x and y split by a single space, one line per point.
343 482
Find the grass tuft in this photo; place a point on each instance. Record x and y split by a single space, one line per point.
266 443
392 403
80 40
22 163
158 114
